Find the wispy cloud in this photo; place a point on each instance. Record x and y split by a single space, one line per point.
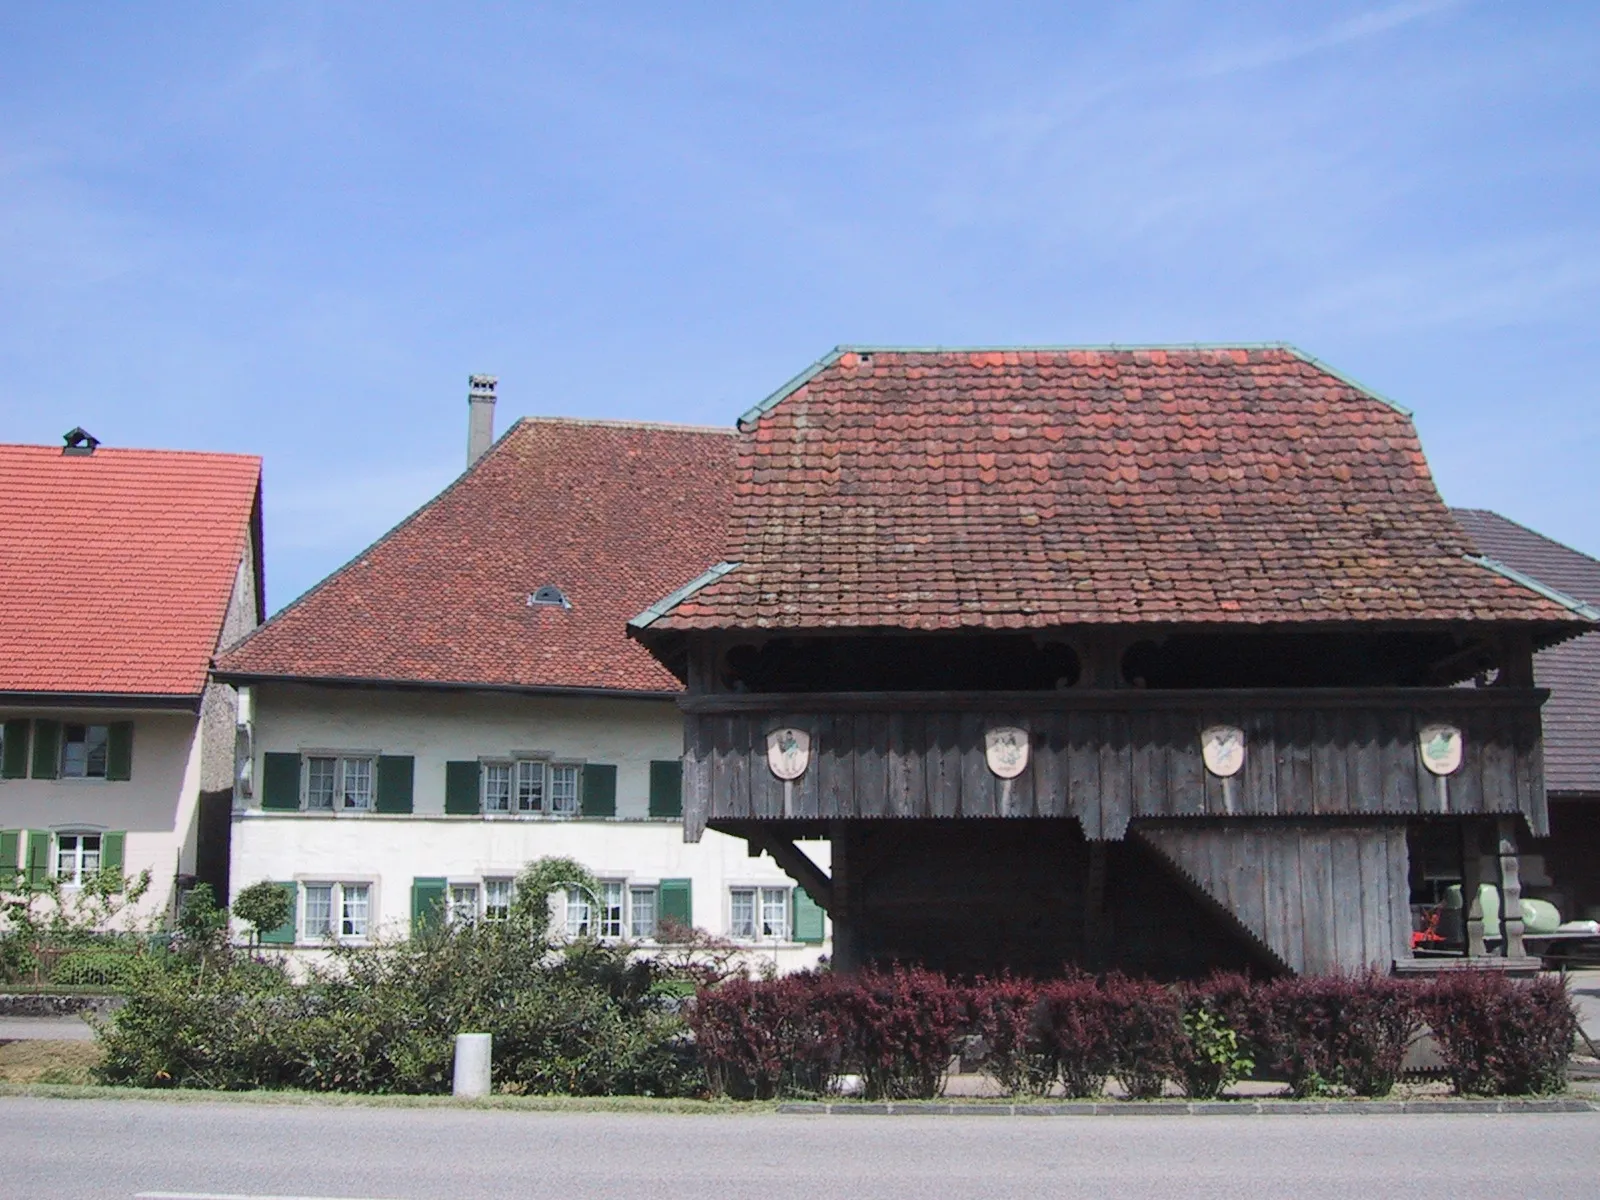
1271 52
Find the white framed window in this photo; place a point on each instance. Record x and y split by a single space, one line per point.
759 914
531 790
77 857
336 911
496 781
642 908
564 789
463 903
497 899
84 750
529 787
612 892
319 911
354 909
580 913
338 783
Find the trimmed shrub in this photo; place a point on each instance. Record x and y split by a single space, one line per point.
761 1039
1147 1020
899 1028
1080 1033
1341 1031
1502 1036
1004 1014
1214 1052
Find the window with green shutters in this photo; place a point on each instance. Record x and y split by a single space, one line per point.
677 902
111 850
427 903
46 749
280 782
10 856
37 863
395 772
598 790
461 788
284 935
666 788
119 752
14 748
808 918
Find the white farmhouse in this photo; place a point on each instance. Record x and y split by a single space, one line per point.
462 699
121 574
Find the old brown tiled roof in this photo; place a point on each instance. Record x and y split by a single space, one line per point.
943 489
1571 670
613 514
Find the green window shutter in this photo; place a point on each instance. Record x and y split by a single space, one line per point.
280 787
395 773
677 902
14 763
666 788
461 789
597 790
38 863
119 751
808 924
10 847
427 903
284 935
111 845
46 749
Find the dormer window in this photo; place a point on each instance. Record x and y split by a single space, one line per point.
549 595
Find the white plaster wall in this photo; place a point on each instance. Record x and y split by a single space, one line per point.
389 851
155 806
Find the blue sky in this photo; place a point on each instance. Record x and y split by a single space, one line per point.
295 229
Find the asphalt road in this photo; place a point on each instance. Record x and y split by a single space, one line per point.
128 1148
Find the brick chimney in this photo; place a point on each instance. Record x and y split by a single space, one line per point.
480 415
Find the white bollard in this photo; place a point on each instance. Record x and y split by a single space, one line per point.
472 1066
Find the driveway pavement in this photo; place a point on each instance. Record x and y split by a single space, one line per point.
209 1149
64 1029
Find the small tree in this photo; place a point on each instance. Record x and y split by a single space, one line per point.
263 906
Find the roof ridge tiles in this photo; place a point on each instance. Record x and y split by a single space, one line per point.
622 423
756 411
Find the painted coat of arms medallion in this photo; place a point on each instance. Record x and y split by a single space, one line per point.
788 753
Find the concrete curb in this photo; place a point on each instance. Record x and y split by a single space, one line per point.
1192 1108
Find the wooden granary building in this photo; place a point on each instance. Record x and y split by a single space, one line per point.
1161 659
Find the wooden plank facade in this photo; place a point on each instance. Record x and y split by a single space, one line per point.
1108 758
1319 896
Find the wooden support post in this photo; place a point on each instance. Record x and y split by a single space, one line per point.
796 865
846 931
1471 880
1510 889
1094 908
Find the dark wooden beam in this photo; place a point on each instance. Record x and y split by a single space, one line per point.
1442 699
796 864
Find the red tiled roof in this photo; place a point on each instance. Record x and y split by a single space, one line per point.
612 513
935 489
1571 670
116 567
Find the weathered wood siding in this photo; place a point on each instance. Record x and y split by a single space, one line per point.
1109 757
1322 897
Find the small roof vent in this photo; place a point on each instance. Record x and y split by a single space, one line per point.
79 440
549 595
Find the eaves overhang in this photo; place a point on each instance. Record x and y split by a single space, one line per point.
381 683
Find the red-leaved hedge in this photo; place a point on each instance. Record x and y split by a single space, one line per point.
897 1029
